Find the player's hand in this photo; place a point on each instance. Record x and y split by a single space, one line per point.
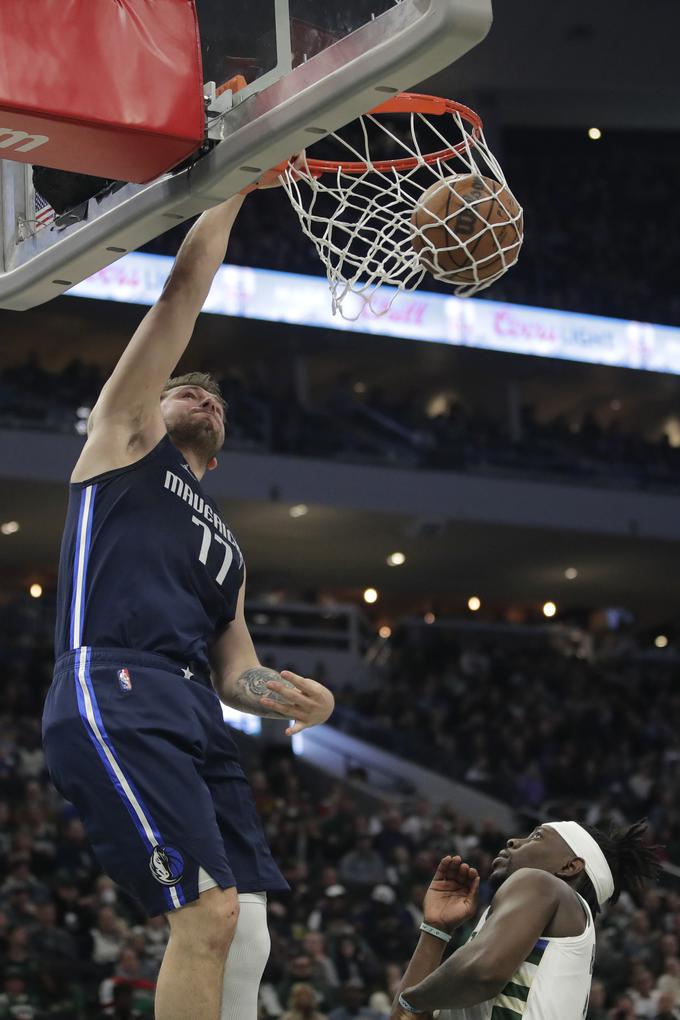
305 701
451 898
274 178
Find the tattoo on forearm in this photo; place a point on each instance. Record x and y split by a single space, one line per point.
251 685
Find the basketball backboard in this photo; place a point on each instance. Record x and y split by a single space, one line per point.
308 67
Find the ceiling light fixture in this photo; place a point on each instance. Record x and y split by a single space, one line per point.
396 559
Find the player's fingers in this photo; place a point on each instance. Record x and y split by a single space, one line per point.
286 711
297 728
289 693
302 683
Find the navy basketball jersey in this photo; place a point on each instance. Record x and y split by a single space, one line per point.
147 563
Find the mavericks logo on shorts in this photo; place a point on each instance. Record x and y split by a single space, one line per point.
125 680
167 865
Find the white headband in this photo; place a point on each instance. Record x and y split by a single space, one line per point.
585 847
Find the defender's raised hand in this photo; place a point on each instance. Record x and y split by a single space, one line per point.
451 897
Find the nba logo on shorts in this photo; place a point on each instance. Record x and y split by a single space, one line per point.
124 680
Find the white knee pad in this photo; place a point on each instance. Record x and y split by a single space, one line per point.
247 959
248 954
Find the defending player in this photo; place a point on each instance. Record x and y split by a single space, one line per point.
531 955
150 602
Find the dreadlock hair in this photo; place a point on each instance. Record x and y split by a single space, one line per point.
632 861
203 379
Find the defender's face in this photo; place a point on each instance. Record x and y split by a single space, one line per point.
543 848
192 410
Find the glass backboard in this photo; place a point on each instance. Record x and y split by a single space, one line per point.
309 68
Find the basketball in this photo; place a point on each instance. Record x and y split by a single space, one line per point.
468 229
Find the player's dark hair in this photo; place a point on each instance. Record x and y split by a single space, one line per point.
203 379
631 859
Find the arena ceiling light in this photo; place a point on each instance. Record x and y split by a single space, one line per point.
571 573
594 134
299 510
9 527
474 603
385 632
370 596
661 641
549 609
396 559
35 591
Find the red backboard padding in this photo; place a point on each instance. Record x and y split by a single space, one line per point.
112 88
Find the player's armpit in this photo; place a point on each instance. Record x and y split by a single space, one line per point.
133 390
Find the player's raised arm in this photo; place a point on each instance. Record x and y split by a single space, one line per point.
243 683
130 397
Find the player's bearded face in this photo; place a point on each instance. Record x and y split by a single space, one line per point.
194 423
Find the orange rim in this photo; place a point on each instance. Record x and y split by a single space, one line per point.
405 102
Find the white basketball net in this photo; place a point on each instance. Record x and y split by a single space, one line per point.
361 223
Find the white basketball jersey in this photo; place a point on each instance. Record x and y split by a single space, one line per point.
553 983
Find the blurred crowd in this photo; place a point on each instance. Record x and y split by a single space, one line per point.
73 946
363 423
588 738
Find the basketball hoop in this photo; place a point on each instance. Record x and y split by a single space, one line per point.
361 211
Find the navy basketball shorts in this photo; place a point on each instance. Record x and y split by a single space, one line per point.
147 760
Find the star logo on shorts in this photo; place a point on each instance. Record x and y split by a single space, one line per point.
186 672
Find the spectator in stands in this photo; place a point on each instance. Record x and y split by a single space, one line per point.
50 942
324 973
300 970
622 1009
669 981
386 925
666 1008
108 937
354 1007
128 972
354 960
18 957
643 995
302 1004
16 999
121 1007
363 865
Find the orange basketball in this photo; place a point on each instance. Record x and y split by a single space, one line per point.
467 221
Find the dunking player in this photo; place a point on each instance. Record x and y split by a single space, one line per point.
531 955
150 602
